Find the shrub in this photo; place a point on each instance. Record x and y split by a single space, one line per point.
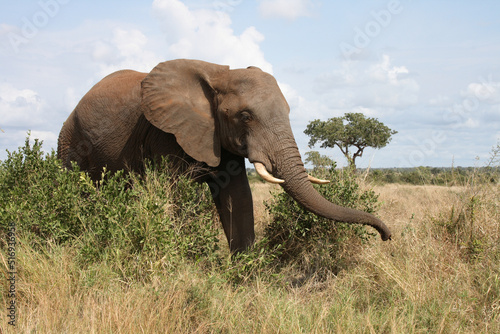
38 197
314 244
136 222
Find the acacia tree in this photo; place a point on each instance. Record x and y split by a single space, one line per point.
352 133
319 161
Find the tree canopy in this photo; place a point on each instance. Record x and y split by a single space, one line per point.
351 133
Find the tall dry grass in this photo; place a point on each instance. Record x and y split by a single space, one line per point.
439 274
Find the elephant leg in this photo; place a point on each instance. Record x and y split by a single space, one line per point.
233 199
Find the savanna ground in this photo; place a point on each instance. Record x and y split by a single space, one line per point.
438 274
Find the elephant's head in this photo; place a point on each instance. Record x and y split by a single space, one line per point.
208 107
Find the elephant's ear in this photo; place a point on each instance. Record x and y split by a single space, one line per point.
178 97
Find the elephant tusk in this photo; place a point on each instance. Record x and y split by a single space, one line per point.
317 181
262 171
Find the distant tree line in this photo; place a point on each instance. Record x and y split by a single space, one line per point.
435 175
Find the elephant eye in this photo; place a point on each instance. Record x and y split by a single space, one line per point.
246 116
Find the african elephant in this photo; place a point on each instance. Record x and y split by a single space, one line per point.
193 111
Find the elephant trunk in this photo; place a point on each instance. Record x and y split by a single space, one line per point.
289 167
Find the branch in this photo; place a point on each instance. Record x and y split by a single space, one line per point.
344 152
359 153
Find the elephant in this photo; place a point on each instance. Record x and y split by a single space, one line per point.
193 111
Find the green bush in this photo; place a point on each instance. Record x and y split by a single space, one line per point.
138 223
38 197
314 244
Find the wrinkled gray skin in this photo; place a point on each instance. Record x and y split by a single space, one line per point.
193 111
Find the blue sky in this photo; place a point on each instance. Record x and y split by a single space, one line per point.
428 69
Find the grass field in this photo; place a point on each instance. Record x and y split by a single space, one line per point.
439 274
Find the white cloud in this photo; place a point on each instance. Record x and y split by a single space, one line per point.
20 107
385 73
485 91
302 110
127 49
379 85
289 9
207 35
20 111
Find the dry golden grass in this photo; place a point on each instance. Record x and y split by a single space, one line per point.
400 203
422 281
261 192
